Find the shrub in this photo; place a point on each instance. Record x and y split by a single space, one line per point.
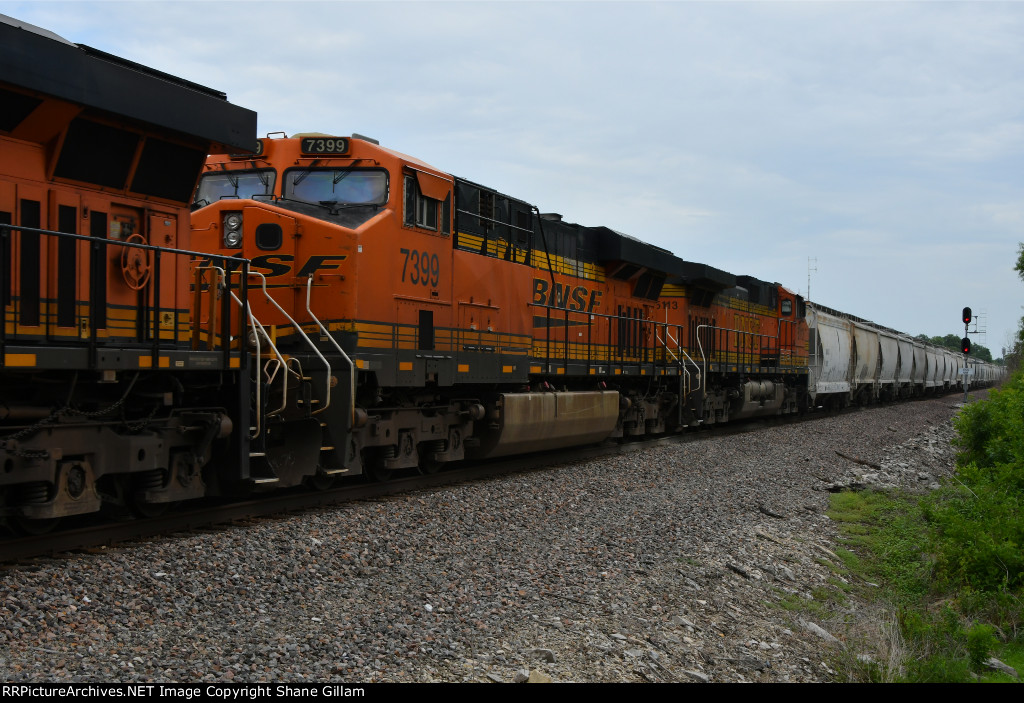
978 520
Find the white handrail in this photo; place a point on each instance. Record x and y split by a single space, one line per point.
326 333
257 330
304 336
668 335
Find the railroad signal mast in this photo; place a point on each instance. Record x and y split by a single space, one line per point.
965 346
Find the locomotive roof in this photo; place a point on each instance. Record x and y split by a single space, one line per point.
704 276
41 61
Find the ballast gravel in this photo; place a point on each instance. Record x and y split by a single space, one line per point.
662 565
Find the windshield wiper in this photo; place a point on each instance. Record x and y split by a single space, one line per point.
335 206
301 202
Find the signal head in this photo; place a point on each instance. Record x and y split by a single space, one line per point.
967 316
965 345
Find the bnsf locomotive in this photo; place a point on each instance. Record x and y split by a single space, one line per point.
339 308
430 319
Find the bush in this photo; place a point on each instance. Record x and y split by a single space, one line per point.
978 520
981 640
991 432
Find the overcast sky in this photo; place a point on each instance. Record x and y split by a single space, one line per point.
883 141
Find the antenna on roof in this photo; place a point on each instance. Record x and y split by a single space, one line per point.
809 269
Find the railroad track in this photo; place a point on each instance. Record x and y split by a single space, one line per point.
106 534
219 514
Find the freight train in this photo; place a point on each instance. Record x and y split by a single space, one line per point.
320 306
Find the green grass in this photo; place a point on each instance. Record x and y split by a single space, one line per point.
795 603
939 579
929 626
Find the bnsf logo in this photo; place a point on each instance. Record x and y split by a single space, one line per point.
566 297
273 265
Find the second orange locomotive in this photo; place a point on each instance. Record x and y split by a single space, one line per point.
407 318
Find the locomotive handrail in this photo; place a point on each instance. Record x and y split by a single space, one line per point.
547 254
281 363
257 330
152 329
326 333
279 358
491 219
638 347
745 334
700 377
304 336
120 243
682 366
220 277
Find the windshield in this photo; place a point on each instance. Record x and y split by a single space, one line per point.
235 184
341 186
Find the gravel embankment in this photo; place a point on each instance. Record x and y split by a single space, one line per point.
660 565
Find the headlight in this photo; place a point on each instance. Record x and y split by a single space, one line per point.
233 230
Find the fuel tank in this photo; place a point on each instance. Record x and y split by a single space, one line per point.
532 422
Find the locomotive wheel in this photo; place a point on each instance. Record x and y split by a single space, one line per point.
144 509
33 527
373 463
379 474
428 465
318 481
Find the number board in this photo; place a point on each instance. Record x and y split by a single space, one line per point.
324 145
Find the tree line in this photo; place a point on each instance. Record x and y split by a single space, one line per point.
951 341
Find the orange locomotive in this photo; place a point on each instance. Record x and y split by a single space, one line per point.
103 396
407 318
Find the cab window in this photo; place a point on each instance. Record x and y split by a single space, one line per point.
234 184
337 186
428 201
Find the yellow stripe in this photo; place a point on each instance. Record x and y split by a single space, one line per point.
538 260
19 359
146 362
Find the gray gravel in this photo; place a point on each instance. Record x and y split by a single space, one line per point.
660 565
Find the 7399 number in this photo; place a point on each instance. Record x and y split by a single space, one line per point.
324 145
422 267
